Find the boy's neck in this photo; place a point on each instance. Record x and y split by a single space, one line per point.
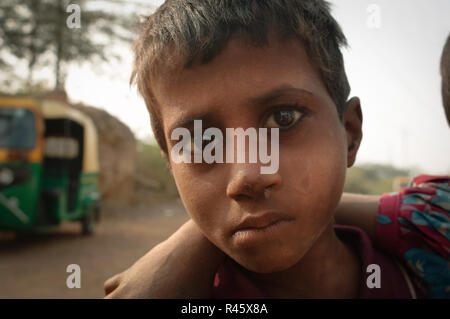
330 269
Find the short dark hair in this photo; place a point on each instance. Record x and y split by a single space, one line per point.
198 30
445 73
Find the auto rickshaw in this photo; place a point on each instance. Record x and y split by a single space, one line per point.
48 166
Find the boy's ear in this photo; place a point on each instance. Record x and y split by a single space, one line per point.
166 158
353 127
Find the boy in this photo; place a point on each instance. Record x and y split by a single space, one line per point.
263 64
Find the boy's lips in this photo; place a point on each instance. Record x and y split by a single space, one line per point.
258 229
260 221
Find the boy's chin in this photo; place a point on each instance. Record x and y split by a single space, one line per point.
270 263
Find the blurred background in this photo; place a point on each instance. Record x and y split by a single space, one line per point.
83 67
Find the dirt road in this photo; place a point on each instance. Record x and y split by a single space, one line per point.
35 267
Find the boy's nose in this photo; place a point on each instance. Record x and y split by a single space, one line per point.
247 182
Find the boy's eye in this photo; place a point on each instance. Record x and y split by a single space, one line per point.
283 119
197 144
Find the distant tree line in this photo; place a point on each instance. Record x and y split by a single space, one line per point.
373 178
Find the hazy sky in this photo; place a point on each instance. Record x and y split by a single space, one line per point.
392 64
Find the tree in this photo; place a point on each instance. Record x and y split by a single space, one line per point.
37 31
373 179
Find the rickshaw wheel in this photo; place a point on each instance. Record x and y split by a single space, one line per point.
88 222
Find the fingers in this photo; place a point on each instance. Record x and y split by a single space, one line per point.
112 283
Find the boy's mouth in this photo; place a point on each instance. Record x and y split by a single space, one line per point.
255 227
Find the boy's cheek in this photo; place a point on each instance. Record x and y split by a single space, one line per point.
202 197
314 174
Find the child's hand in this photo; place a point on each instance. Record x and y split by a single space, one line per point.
183 266
144 279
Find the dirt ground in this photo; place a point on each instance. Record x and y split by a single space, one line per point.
35 266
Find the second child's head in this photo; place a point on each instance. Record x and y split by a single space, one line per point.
445 73
254 64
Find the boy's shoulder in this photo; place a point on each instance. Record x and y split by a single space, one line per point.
381 275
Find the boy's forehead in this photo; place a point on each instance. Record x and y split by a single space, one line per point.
240 72
238 62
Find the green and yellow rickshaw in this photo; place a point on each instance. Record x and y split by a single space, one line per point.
48 166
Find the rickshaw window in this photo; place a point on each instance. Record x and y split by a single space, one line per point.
17 128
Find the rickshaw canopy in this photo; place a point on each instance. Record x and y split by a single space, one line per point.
58 110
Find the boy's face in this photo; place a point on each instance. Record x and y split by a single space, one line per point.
274 86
